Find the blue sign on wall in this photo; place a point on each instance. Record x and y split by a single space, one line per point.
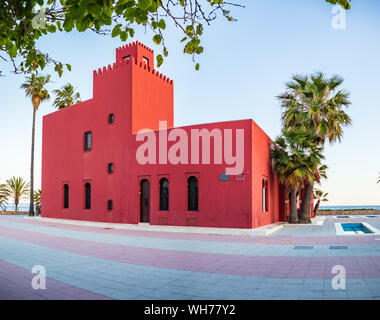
224 177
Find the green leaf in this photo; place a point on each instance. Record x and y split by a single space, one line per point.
116 31
199 30
123 36
155 5
162 24
59 25
157 39
11 48
68 25
58 68
52 28
160 60
197 66
344 3
145 4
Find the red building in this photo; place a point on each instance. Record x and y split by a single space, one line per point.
90 167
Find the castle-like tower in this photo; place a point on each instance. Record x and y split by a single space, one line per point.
90 171
133 79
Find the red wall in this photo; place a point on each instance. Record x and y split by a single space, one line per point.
63 158
262 169
221 204
139 98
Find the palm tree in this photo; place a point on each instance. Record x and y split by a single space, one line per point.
322 172
295 158
66 96
319 195
315 102
37 198
15 188
3 197
34 87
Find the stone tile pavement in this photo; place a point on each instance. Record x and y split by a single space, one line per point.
94 263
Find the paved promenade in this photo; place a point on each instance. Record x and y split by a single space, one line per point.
81 262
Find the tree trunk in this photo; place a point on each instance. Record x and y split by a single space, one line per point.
317 206
293 206
306 203
31 201
16 205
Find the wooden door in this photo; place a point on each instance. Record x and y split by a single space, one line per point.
144 201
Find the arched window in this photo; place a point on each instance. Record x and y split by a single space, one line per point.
66 196
192 194
87 204
164 194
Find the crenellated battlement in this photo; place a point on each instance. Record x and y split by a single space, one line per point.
137 50
121 64
106 70
154 72
132 45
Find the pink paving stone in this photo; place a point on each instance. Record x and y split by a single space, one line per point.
301 240
196 261
16 284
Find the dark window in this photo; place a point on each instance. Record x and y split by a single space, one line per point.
111 118
87 204
126 57
109 205
146 61
265 195
87 140
66 196
192 194
164 194
110 167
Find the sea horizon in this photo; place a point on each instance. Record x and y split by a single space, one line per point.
25 207
347 207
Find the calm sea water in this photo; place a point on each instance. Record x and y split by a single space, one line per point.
348 207
21 207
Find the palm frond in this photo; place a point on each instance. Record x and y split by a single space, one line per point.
66 96
316 102
15 188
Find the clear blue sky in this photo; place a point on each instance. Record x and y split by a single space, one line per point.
244 66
